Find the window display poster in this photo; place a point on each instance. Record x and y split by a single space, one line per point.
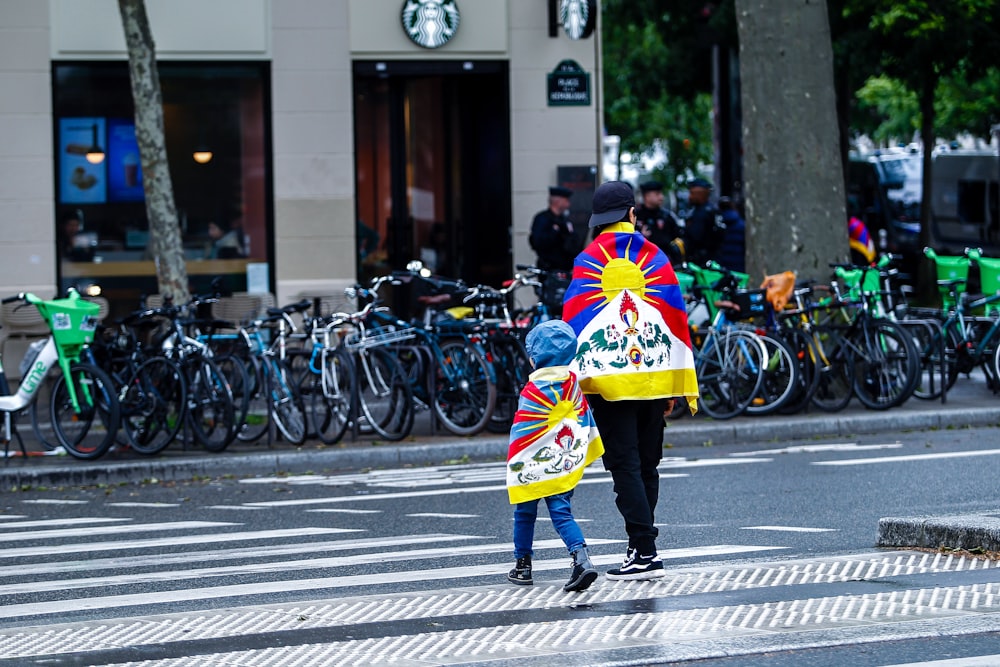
124 170
81 182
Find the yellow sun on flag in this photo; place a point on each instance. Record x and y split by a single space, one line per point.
560 411
621 273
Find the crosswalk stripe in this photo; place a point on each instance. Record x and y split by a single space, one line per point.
158 543
449 491
69 521
972 661
908 457
110 530
322 583
791 529
813 449
284 566
256 551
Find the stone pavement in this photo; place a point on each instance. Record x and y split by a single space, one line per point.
969 404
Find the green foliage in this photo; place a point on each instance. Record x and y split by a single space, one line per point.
896 107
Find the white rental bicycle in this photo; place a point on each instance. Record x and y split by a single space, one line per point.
83 407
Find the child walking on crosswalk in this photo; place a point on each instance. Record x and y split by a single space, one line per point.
552 440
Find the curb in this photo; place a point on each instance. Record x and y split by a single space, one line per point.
448 450
964 531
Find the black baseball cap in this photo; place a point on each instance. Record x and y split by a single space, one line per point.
612 200
651 186
559 191
700 183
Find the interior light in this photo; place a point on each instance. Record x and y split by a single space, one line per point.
202 155
95 154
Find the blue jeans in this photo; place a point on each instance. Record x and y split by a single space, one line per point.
562 519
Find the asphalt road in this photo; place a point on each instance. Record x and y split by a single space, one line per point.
408 563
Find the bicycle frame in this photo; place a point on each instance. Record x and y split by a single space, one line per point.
32 380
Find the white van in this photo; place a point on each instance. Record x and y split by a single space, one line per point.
964 202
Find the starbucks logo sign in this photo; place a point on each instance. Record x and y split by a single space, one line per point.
430 23
578 17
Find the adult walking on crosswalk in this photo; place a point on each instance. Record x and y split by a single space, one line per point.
552 440
633 356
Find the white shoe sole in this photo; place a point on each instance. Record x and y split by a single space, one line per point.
637 576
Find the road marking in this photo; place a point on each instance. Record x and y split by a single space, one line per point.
323 583
339 510
151 505
441 515
256 551
908 457
110 530
811 449
792 529
450 491
232 507
284 567
699 463
54 501
158 543
973 661
74 521
10 517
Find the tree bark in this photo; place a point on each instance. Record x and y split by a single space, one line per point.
165 234
795 203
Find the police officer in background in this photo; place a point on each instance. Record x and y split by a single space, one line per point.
704 228
552 235
658 223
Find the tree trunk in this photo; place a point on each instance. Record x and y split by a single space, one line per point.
164 228
795 202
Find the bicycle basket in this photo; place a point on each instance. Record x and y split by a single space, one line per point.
750 302
72 322
852 280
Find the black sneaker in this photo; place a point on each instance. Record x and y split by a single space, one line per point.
521 574
636 566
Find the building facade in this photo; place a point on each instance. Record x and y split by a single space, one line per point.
311 143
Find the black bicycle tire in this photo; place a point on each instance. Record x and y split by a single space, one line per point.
891 391
60 403
370 378
210 404
465 388
717 397
781 375
258 419
287 411
512 367
332 398
145 422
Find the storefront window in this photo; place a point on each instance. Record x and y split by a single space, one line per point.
215 125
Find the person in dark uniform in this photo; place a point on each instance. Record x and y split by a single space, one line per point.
552 235
658 223
732 251
704 228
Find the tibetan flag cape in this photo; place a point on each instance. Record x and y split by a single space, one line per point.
631 325
553 437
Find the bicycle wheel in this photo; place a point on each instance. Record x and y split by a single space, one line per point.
153 405
384 394
730 371
41 423
286 403
780 378
805 354
210 404
512 368
886 369
835 367
464 393
934 347
257 420
332 397
235 371
89 432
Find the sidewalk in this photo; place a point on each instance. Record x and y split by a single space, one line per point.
970 403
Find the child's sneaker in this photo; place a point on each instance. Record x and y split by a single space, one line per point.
583 573
521 574
637 566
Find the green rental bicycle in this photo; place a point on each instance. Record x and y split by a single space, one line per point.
83 407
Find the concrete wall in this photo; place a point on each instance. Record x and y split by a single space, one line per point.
27 181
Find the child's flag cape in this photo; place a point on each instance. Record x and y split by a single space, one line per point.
552 440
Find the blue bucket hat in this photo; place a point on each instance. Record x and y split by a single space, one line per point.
551 343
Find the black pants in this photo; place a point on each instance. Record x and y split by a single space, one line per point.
632 432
